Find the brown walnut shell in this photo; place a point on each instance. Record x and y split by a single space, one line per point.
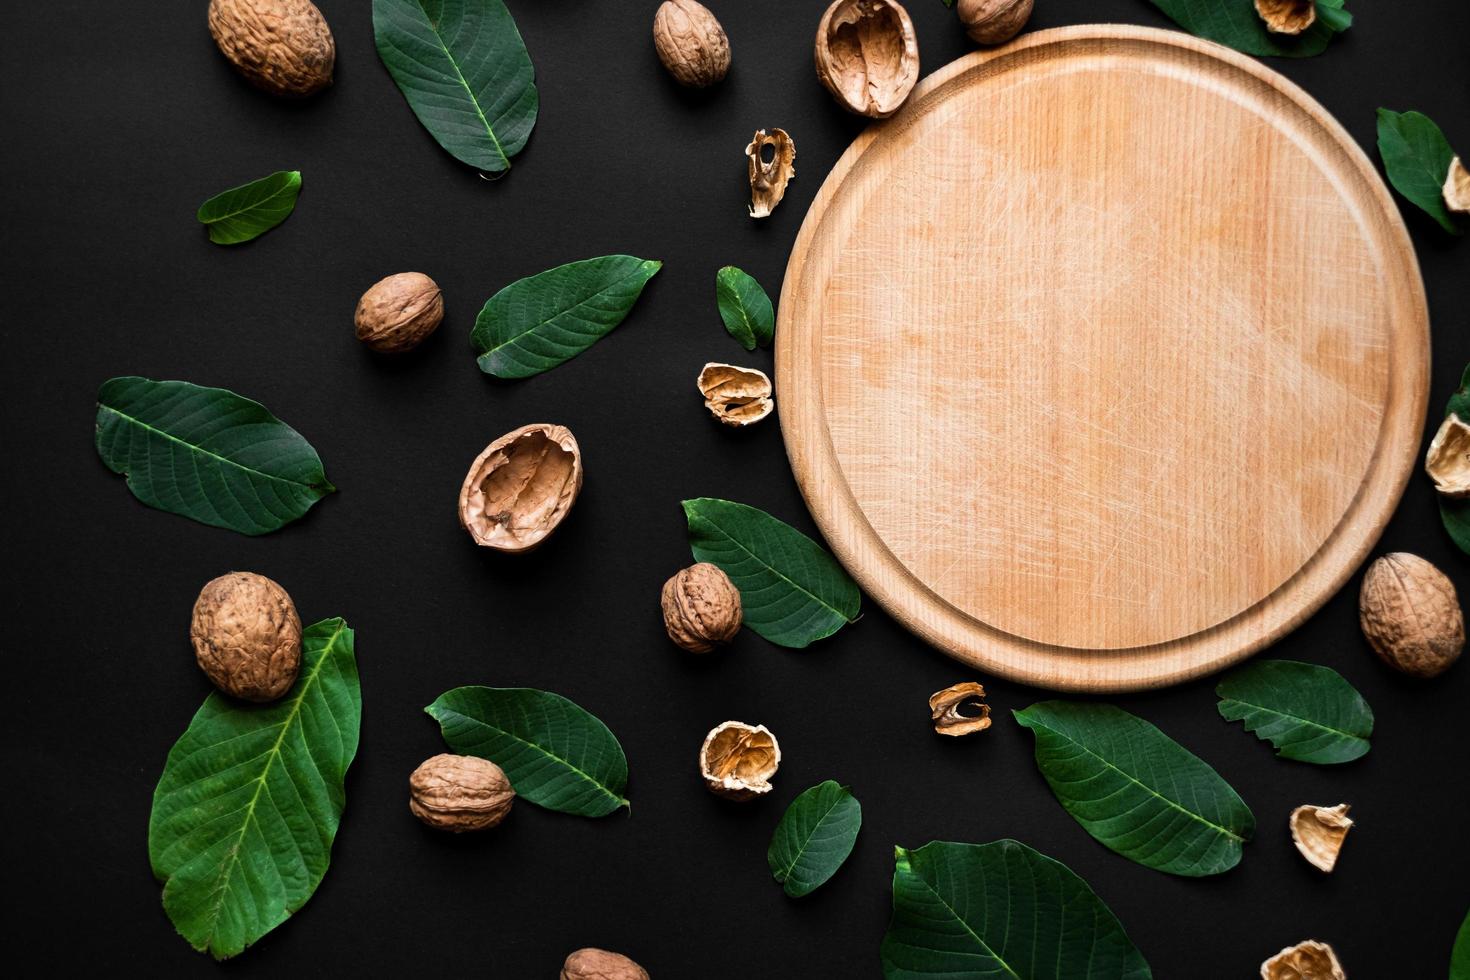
994 21
945 707
283 47
768 178
459 793
1448 459
691 43
1411 615
247 636
867 55
738 760
736 396
1318 833
398 313
1287 16
599 964
521 487
1457 188
701 608
1308 960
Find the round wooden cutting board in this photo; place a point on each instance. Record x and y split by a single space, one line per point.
1104 362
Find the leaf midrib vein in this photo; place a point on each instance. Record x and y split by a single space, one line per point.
563 312
1297 718
544 751
464 83
777 572
966 925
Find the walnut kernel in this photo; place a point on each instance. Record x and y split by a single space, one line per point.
1448 459
283 47
247 636
521 487
867 55
1318 833
459 793
1308 960
768 178
1411 615
736 396
994 21
701 608
945 706
691 43
398 313
738 760
599 964
1287 16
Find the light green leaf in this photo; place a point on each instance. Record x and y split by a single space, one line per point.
251 795
1000 911
814 837
1236 24
534 324
555 753
1136 790
464 70
792 592
207 453
1456 513
1417 158
1460 956
250 210
745 308
1310 713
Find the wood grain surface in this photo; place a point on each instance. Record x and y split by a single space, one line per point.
1103 363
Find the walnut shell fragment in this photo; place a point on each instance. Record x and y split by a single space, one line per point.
994 21
768 178
946 707
247 636
283 47
1457 188
398 313
867 55
459 793
738 760
1308 960
1411 616
736 396
1318 833
599 964
1448 459
521 487
1287 16
691 43
701 608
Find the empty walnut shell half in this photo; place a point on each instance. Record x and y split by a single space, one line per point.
769 177
949 718
521 487
701 608
247 636
1411 616
1448 459
1308 960
994 21
1318 833
1457 188
738 760
599 964
459 793
736 396
1287 16
867 55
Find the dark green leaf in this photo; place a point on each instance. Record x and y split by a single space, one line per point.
814 837
534 324
555 753
1460 956
1310 713
1001 911
250 210
745 308
1456 513
1417 158
207 453
1136 790
464 70
792 591
1236 24
250 799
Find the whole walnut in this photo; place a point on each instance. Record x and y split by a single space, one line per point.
281 46
691 43
398 313
1411 615
994 21
459 793
599 964
247 636
701 608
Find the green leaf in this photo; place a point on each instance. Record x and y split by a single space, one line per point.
207 453
1460 957
1136 790
534 324
1310 713
1236 24
1001 911
792 592
250 210
1456 513
464 70
745 308
1417 158
555 753
251 795
814 837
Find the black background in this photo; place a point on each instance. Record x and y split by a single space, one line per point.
119 119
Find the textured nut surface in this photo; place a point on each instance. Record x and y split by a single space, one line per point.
994 21
738 760
1411 615
459 793
1287 16
247 636
398 313
281 46
1318 833
736 396
867 55
768 178
599 964
1308 960
1448 459
1457 188
691 43
946 707
521 487
701 608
